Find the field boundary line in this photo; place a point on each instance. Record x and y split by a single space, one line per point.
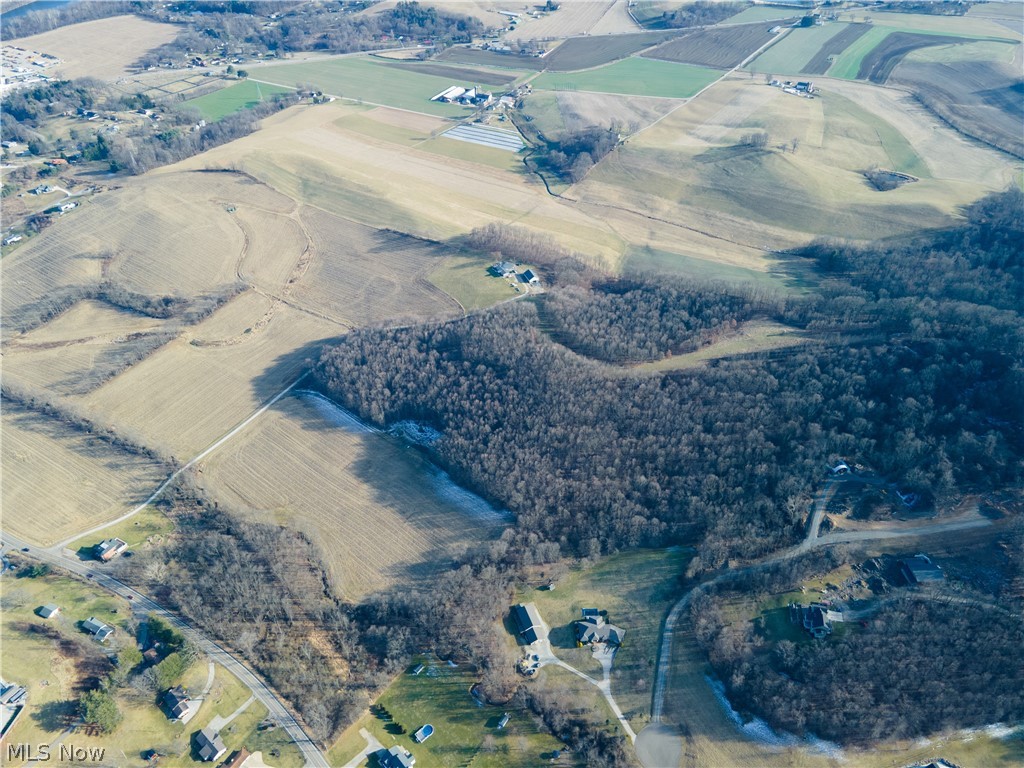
192 462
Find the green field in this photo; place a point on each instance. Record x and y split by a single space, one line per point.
465 731
847 119
371 81
634 76
797 47
648 259
637 589
467 280
227 101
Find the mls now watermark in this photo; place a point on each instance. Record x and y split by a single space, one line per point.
44 753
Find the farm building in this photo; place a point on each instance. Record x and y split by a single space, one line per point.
179 705
920 569
209 745
12 239
504 720
48 611
449 94
592 628
527 621
418 669
529 277
815 618
97 629
108 549
396 757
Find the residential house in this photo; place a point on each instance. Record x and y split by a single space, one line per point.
97 629
209 745
504 269
238 758
815 618
396 757
13 698
920 570
108 549
179 705
527 621
592 628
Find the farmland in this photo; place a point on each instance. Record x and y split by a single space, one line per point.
876 65
86 48
378 511
570 20
586 52
797 48
634 76
464 729
551 113
830 49
58 480
475 56
227 101
469 75
374 82
719 48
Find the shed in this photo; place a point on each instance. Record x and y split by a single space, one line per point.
504 720
97 628
418 669
48 611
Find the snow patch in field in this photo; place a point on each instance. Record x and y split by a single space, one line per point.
333 413
758 730
467 501
415 432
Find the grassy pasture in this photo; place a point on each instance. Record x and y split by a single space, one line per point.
718 47
367 80
464 730
791 54
468 281
227 101
636 589
86 49
757 336
870 53
635 76
648 259
367 500
57 480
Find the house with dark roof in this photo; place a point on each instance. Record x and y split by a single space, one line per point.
108 549
815 618
920 569
527 621
396 757
179 705
592 628
97 629
209 745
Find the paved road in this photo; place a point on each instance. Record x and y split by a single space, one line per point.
277 711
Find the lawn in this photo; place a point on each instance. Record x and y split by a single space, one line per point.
636 589
234 98
792 53
465 730
634 76
467 280
374 82
148 526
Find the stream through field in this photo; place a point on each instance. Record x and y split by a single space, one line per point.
413 434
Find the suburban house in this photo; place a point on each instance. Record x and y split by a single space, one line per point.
529 276
592 628
527 621
179 705
920 569
238 758
209 745
12 704
396 757
108 549
48 611
97 629
504 269
815 618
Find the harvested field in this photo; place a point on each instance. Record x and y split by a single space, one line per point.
373 81
462 55
822 60
464 75
793 52
586 52
186 396
274 249
580 110
982 99
616 21
634 76
721 48
361 275
877 65
369 503
574 18
57 480
86 48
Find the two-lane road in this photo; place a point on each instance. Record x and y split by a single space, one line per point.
312 755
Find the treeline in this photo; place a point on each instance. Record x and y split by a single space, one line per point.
633 320
919 666
523 245
926 390
571 157
699 14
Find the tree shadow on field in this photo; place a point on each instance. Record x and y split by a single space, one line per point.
55 715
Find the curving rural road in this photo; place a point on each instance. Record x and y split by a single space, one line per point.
217 653
659 740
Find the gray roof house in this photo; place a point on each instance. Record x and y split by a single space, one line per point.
396 757
209 745
97 629
592 628
815 618
527 621
504 269
179 705
920 569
